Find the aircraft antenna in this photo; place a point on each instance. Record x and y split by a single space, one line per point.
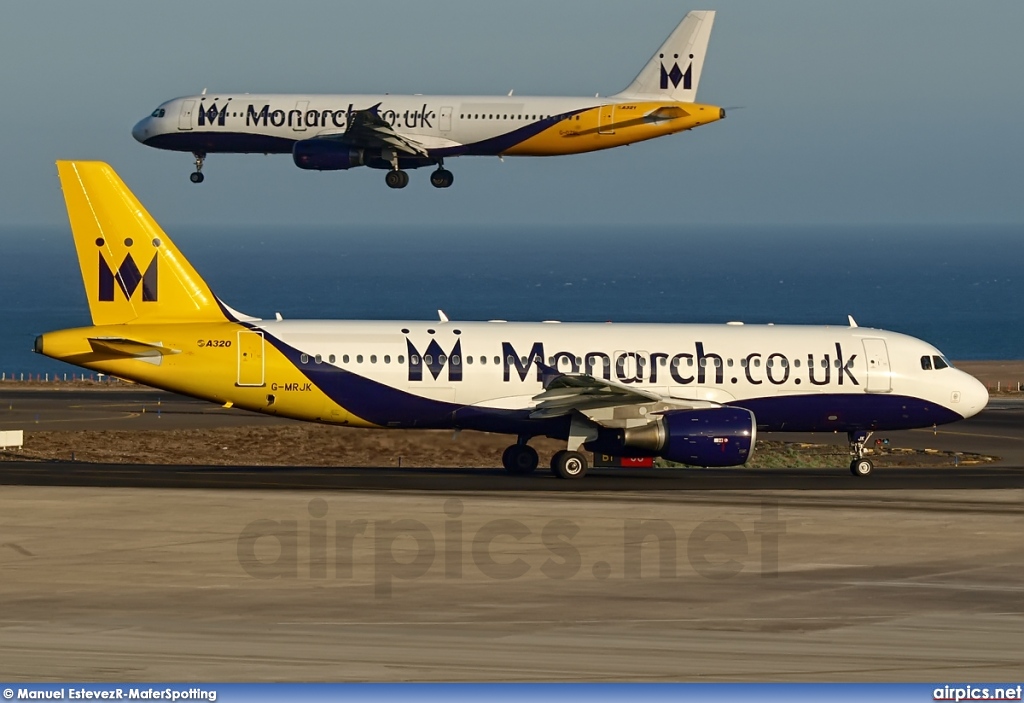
441 316
853 323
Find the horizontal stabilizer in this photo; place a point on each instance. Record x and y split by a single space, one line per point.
129 348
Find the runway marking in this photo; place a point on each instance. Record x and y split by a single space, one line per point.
930 584
124 416
970 434
591 621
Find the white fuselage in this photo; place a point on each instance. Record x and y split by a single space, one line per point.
792 377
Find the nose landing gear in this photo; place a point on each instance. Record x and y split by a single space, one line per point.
197 176
860 466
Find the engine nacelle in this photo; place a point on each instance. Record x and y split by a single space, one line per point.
706 437
326 155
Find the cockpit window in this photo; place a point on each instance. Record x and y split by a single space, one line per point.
940 362
159 112
926 363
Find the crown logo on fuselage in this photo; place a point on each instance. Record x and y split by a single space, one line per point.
434 359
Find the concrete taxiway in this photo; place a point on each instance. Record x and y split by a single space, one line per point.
120 572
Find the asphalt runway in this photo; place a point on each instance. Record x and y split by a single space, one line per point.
121 572
115 409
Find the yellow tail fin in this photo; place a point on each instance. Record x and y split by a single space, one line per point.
132 271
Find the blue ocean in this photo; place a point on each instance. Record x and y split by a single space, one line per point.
959 287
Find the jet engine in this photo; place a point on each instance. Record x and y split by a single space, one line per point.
706 437
326 155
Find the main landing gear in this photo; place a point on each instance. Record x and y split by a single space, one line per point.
397 179
442 177
197 177
569 464
860 466
521 459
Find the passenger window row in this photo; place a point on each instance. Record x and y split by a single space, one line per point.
492 116
714 361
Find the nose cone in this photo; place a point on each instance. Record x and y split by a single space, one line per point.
141 130
973 396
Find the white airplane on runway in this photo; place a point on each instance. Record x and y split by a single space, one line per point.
693 394
397 132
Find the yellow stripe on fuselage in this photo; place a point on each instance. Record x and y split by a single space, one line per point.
204 361
612 125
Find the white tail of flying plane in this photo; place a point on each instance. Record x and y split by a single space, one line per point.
673 73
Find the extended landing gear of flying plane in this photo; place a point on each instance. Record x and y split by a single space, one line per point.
197 176
442 178
569 464
397 179
860 466
520 459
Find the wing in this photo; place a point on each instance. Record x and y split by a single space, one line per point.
565 393
367 129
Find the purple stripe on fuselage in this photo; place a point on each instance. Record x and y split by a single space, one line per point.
221 143
852 412
389 407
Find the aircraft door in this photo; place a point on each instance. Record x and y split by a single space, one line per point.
879 373
185 116
299 125
606 119
446 119
251 365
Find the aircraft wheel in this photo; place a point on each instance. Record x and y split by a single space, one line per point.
520 459
554 461
566 464
861 467
397 179
196 177
442 178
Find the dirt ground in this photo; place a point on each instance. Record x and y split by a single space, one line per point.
319 445
276 445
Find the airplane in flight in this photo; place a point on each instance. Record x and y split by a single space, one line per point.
692 394
399 132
